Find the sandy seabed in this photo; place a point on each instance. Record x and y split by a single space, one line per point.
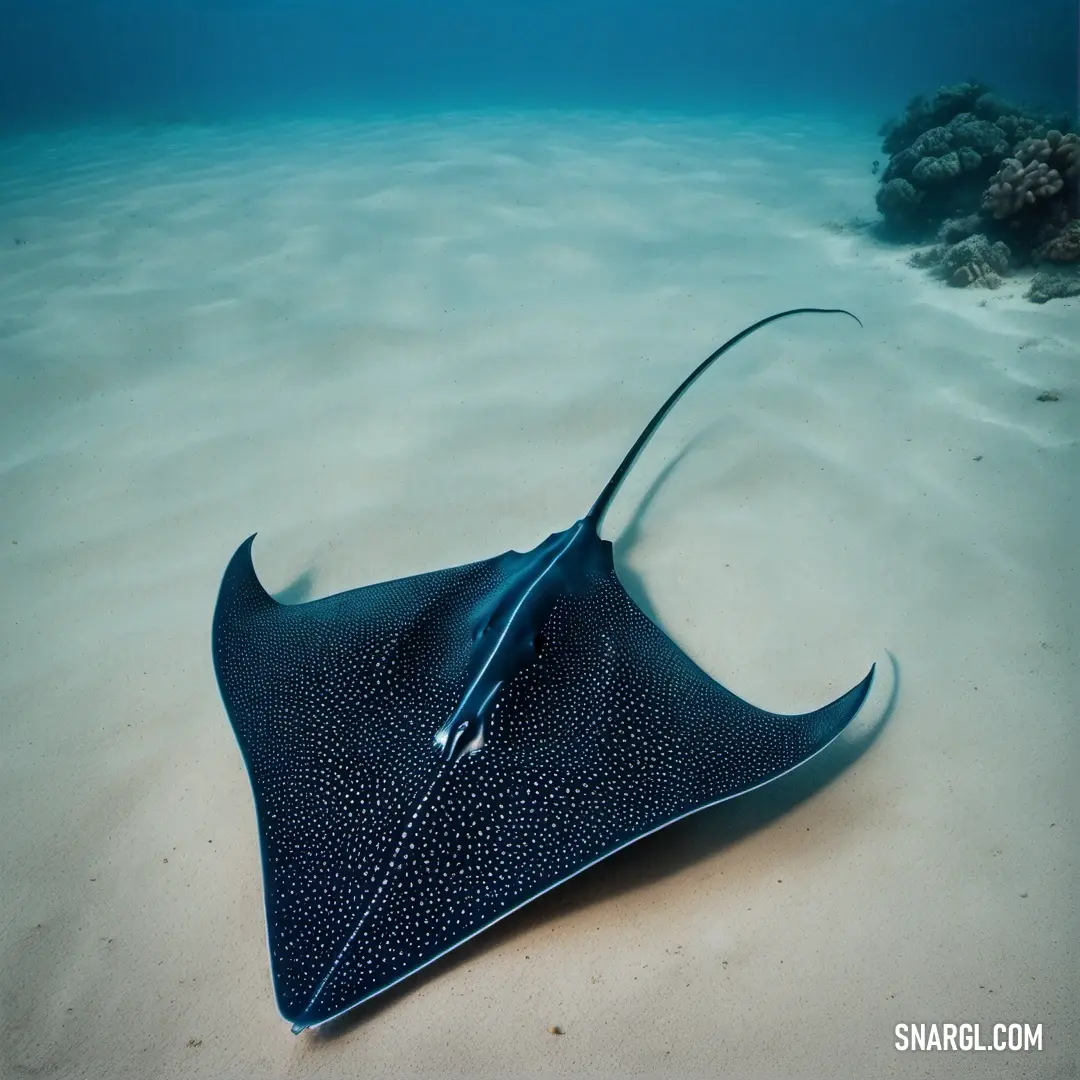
395 346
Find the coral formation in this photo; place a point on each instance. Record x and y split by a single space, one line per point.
937 174
1062 247
1059 152
922 115
1015 186
975 261
953 230
995 183
927 259
898 200
1046 287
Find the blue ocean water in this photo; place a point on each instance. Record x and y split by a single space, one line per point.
393 282
62 60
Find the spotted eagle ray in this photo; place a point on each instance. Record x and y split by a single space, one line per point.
427 755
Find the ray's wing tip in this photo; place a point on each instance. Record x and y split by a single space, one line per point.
241 557
241 566
840 713
239 593
861 691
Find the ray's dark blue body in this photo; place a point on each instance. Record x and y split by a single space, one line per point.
429 754
508 630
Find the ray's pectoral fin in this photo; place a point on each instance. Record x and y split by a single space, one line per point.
428 754
784 742
722 745
822 726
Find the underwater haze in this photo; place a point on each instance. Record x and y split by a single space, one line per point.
61 59
397 284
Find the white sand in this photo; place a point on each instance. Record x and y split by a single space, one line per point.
396 347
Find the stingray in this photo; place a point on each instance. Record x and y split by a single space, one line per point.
429 754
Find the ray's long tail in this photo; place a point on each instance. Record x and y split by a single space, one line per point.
604 499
